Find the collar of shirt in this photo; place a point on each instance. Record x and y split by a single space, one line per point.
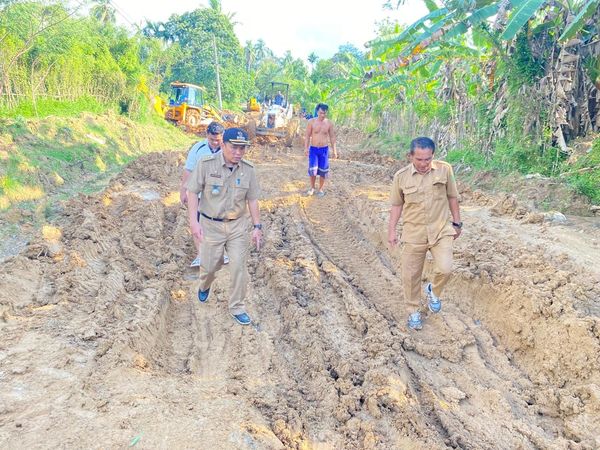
205 143
413 169
224 163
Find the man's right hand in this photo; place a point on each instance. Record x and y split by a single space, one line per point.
305 152
197 231
392 238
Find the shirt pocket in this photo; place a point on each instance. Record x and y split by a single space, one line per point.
214 186
241 186
439 189
411 194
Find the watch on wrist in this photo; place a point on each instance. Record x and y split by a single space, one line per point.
457 224
258 226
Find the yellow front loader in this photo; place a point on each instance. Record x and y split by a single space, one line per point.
187 107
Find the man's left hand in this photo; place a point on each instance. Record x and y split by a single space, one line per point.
257 238
457 232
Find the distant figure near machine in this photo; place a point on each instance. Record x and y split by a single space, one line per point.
279 99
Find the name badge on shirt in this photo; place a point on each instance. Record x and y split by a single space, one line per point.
215 175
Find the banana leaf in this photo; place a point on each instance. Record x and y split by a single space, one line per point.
579 21
431 5
428 32
525 9
412 29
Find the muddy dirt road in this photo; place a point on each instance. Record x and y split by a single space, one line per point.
105 346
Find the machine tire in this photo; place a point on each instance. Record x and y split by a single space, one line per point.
192 119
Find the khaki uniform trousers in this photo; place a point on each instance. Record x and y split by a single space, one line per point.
412 259
234 237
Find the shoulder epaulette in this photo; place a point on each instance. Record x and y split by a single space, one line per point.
404 169
208 157
440 164
247 162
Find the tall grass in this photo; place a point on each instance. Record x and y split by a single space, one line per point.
44 107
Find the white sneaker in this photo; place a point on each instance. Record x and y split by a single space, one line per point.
310 192
414 321
195 262
225 259
434 303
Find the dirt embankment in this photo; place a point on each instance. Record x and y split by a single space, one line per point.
104 344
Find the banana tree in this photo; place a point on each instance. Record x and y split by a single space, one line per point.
568 93
460 16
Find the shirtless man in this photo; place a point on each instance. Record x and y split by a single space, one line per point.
319 133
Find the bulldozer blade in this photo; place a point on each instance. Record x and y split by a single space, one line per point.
270 132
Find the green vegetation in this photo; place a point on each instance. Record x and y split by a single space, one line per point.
59 155
584 175
493 85
52 107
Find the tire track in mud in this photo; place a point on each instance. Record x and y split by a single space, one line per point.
369 274
326 336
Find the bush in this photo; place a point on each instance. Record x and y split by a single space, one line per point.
471 158
584 176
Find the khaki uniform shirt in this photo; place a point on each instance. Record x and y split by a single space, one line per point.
425 202
224 191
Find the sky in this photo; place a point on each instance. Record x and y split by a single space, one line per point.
301 26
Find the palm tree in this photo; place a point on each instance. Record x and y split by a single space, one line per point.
312 59
260 50
103 11
249 56
287 59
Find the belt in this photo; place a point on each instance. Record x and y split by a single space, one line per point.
218 219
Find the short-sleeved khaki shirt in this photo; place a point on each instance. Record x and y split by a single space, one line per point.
424 199
224 191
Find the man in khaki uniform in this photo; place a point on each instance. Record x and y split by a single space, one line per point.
425 191
228 183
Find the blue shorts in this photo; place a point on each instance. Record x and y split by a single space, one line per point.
318 161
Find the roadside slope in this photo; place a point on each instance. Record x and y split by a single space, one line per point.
46 161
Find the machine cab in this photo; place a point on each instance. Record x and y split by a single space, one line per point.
187 93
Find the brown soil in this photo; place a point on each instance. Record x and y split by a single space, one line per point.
104 344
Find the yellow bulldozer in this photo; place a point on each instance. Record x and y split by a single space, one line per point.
187 106
253 105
